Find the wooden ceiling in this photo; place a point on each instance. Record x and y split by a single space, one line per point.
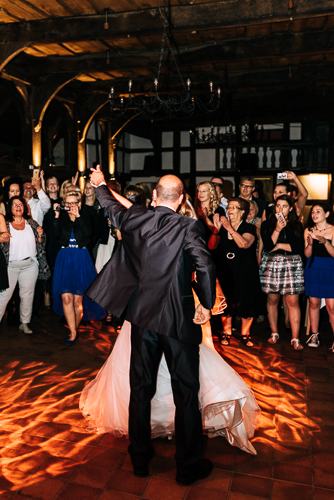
270 54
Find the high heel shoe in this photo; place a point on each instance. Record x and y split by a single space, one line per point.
296 345
247 340
225 339
109 318
273 338
70 341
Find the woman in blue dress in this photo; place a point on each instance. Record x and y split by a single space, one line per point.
74 269
319 270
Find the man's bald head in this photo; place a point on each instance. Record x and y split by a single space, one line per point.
169 189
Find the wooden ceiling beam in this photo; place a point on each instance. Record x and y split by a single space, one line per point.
43 95
9 52
258 80
268 47
212 15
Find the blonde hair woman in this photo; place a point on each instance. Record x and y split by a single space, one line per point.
206 205
74 269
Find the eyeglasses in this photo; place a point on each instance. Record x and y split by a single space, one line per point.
246 186
17 205
72 203
234 208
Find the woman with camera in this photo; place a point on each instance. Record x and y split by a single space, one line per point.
281 271
74 270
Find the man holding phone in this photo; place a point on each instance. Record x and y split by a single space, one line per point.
40 205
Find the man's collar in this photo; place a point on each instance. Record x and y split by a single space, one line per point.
164 208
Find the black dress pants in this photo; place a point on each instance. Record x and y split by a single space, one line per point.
183 364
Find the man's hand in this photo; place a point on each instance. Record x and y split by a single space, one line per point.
202 315
96 177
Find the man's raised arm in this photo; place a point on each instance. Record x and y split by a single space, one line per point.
114 204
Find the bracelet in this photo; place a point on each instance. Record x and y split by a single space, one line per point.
232 233
277 231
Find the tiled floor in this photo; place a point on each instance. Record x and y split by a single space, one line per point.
47 453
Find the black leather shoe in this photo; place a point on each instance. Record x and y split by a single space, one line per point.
191 473
140 461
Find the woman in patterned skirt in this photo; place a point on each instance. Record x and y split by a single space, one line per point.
319 269
281 272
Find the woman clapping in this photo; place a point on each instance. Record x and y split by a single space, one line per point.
237 269
319 269
23 250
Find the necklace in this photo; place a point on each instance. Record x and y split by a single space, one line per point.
18 223
321 230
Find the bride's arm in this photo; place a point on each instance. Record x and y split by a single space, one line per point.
124 201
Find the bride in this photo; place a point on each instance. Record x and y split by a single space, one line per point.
227 404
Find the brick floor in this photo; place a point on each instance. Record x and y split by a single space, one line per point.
47 453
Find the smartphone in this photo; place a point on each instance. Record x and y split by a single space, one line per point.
283 175
35 173
280 216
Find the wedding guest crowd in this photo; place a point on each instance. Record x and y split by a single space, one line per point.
260 249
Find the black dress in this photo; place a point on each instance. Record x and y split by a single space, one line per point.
238 274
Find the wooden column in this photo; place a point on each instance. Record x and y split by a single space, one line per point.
81 161
37 145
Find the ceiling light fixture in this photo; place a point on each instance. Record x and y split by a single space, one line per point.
157 106
106 24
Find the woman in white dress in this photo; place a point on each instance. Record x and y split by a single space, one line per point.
227 404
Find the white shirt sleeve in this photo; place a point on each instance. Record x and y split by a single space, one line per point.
45 203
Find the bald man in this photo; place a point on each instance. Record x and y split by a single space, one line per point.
148 281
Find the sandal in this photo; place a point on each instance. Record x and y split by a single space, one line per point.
225 339
247 340
296 345
108 319
273 338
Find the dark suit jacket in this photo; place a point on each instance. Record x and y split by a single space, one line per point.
262 204
149 276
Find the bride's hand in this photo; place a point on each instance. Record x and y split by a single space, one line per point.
202 315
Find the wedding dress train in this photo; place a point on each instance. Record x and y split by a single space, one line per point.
227 403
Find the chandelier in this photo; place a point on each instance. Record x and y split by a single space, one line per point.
157 106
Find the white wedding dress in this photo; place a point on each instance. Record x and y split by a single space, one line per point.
227 403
